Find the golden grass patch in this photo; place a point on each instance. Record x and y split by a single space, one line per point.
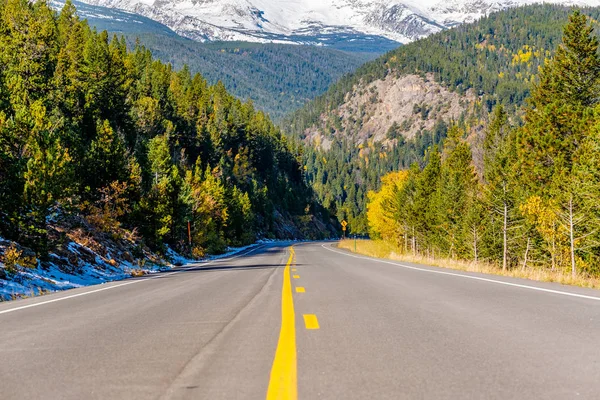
381 249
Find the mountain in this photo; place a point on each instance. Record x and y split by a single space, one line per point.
278 78
318 23
116 21
390 111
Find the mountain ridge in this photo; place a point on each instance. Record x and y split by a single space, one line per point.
316 23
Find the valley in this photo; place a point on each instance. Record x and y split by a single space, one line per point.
278 78
264 199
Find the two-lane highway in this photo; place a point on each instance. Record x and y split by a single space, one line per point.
310 320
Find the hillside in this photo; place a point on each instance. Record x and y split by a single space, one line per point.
278 78
104 145
532 204
398 105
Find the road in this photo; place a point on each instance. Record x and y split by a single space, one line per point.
314 322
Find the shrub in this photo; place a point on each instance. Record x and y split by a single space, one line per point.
11 258
198 252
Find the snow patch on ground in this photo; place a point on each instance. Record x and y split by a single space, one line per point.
53 276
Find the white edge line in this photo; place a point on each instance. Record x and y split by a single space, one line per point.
157 276
477 278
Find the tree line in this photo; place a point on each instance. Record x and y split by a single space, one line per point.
90 128
536 202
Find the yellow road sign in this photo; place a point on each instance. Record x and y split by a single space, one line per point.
344 223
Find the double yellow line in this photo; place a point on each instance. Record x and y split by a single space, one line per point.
283 384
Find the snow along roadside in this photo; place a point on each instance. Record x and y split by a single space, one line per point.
29 282
237 254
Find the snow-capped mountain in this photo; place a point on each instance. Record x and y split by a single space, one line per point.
314 21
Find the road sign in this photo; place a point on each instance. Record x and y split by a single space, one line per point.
344 223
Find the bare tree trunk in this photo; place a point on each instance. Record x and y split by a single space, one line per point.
405 241
505 238
475 243
553 255
571 235
526 254
414 242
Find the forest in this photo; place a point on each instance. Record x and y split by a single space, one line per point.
133 146
495 58
278 78
536 202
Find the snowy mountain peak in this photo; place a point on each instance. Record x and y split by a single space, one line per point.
314 21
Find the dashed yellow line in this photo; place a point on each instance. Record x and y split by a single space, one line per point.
296 276
311 321
300 289
294 270
283 384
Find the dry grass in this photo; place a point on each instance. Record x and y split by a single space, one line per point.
137 273
381 249
113 262
33 292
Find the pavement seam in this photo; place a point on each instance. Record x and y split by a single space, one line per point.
197 358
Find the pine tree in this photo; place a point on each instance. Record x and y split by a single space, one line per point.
573 74
106 159
48 176
209 209
28 51
240 221
500 194
455 194
427 183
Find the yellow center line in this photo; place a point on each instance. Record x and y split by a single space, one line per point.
300 289
294 270
311 321
283 384
296 276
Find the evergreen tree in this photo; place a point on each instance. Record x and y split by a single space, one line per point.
500 178
106 158
456 194
426 185
48 175
573 74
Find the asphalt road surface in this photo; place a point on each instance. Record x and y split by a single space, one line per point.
312 322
